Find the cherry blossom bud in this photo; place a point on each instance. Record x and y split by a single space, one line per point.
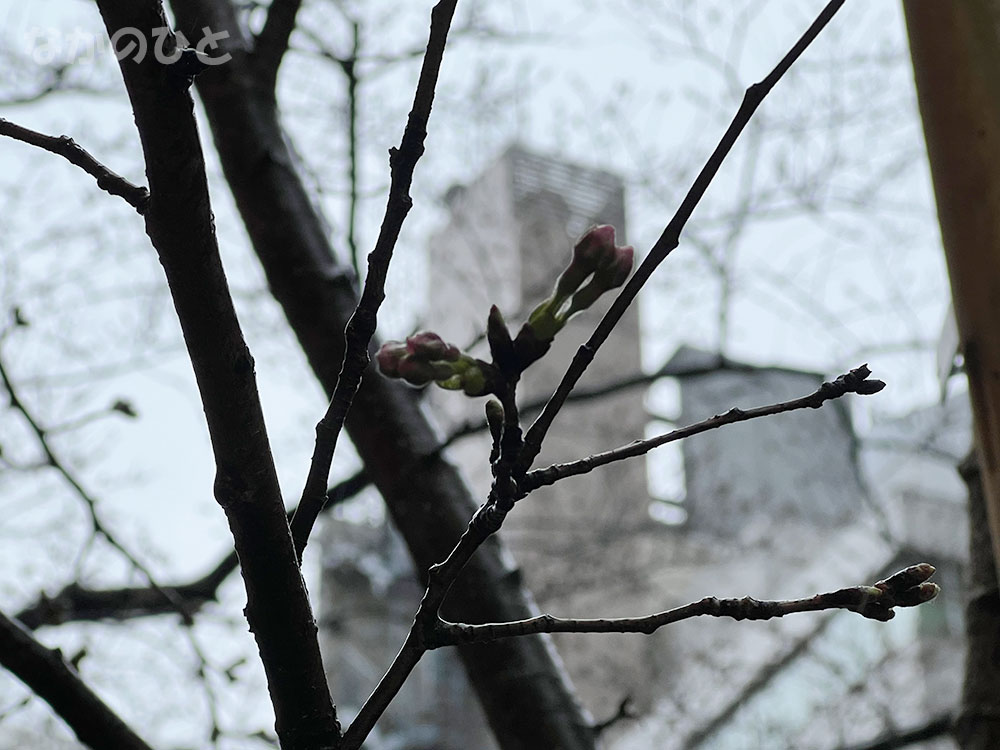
389 356
594 247
613 275
501 345
543 324
427 346
919 594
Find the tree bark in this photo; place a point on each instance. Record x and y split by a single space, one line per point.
978 724
955 48
521 683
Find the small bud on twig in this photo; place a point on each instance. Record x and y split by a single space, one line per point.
426 358
501 345
595 257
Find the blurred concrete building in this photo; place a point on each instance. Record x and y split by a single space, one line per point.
775 508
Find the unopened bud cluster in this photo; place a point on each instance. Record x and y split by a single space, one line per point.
426 358
598 266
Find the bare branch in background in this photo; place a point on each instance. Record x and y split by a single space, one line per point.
78 603
48 674
97 524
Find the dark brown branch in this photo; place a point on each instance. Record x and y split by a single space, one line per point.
66 147
180 225
907 588
669 239
76 603
854 381
272 41
361 327
50 677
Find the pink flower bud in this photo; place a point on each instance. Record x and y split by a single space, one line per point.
614 274
389 356
595 246
427 346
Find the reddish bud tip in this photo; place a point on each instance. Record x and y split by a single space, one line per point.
427 345
614 274
596 245
389 356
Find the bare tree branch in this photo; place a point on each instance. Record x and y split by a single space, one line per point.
48 674
907 588
89 501
669 239
78 603
854 381
180 225
64 146
361 326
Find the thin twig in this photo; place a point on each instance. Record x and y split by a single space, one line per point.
626 710
97 524
854 381
63 145
362 324
48 674
907 588
670 238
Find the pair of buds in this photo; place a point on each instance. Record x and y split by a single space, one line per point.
596 257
